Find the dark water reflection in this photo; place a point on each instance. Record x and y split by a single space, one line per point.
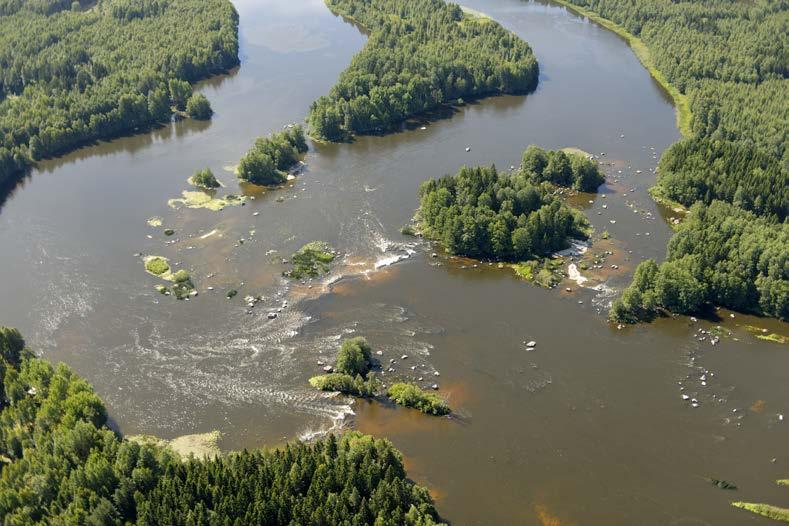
587 429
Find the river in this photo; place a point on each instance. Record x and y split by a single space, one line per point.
587 428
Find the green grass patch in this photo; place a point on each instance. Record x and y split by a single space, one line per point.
311 260
411 395
765 510
546 272
643 54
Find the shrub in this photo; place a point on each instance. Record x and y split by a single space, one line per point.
411 395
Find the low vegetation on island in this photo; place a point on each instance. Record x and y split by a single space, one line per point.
311 260
508 216
76 72
351 372
182 286
723 60
411 395
204 179
419 55
61 464
270 158
352 375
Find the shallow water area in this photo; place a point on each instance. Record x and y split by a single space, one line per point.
589 427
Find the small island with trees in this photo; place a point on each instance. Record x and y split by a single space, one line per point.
205 179
508 216
352 375
419 55
268 161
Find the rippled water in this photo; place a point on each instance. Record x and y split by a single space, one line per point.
588 428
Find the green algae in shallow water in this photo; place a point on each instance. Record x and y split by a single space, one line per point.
765 510
782 482
182 282
311 260
155 222
196 199
157 265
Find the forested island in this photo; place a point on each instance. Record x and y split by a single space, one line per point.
508 216
270 158
75 72
420 54
729 61
61 464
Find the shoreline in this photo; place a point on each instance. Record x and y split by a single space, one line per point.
644 55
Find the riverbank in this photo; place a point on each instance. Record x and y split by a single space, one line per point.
644 55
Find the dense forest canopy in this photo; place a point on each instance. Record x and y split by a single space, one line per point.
483 213
72 73
732 60
270 158
60 464
720 255
420 53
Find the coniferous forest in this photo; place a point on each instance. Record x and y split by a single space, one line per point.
61 464
75 72
483 213
420 54
732 60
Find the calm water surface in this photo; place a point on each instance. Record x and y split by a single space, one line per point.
588 428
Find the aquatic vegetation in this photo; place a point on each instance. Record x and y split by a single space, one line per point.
765 335
231 294
182 282
765 510
157 265
782 482
311 260
204 179
270 158
154 222
203 200
169 232
55 431
419 55
411 395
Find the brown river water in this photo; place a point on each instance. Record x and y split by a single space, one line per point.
587 428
